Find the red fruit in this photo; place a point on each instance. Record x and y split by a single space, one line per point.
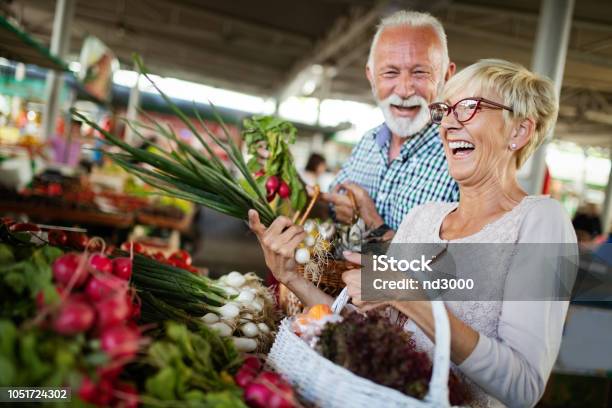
122 268
183 255
24 226
101 263
113 311
127 395
57 238
244 376
74 317
257 395
104 286
272 185
77 240
252 362
138 248
66 266
284 190
120 341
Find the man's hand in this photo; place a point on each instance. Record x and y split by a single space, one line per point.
347 210
279 243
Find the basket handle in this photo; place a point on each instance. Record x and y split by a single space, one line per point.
438 385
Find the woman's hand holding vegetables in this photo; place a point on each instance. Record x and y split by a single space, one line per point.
279 243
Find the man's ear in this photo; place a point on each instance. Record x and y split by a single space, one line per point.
522 133
369 74
452 68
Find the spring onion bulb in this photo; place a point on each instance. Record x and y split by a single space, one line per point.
327 230
310 241
309 226
249 329
246 296
263 328
244 344
210 318
302 256
257 305
223 329
229 311
235 279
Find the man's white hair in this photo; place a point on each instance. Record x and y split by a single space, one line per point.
411 19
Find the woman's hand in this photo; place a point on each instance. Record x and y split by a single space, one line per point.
352 279
279 243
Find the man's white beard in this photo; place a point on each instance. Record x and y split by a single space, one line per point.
405 127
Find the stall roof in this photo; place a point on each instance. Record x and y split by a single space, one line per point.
17 45
269 47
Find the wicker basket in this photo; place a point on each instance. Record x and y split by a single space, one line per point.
329 281
324 384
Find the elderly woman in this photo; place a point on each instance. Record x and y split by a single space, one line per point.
494 115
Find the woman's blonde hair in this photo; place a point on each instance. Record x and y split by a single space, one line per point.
530 96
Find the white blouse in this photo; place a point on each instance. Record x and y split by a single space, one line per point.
519 340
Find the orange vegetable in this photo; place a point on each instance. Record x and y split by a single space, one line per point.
319 311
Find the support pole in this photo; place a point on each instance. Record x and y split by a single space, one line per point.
606 211
549 59
60 40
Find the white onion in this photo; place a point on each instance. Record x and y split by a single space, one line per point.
246 296
228 311
263 328
248 316
244 344
235 279
327 230
309 241
302 256
257 305
249 329
309 226
223 329
210 318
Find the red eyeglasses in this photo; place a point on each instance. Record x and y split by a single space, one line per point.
464 110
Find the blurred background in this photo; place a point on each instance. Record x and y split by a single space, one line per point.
301 60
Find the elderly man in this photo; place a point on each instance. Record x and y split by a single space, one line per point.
399 164
396 166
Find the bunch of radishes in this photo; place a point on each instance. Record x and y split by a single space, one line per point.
96 301
276 186
262 388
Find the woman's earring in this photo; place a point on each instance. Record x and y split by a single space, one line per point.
513 146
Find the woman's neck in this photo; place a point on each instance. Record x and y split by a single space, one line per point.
492 196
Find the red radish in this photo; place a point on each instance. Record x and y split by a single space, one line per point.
273 380
99 394
252 362
113 311
284 190
87 390
272 185
257 395
74 317
260 173
270 197
57 238
66 266
101 263
244 376
110 372
280 400
122 268
135 307
120 341
128 395
103 286
158 256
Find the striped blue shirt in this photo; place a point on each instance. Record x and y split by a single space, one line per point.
418 175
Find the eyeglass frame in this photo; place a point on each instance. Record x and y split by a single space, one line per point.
479 100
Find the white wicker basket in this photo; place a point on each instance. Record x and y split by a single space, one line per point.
325 384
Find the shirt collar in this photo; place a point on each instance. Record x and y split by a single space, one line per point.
382 135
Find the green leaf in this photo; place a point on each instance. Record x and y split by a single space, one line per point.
7 372
6 255
162 384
